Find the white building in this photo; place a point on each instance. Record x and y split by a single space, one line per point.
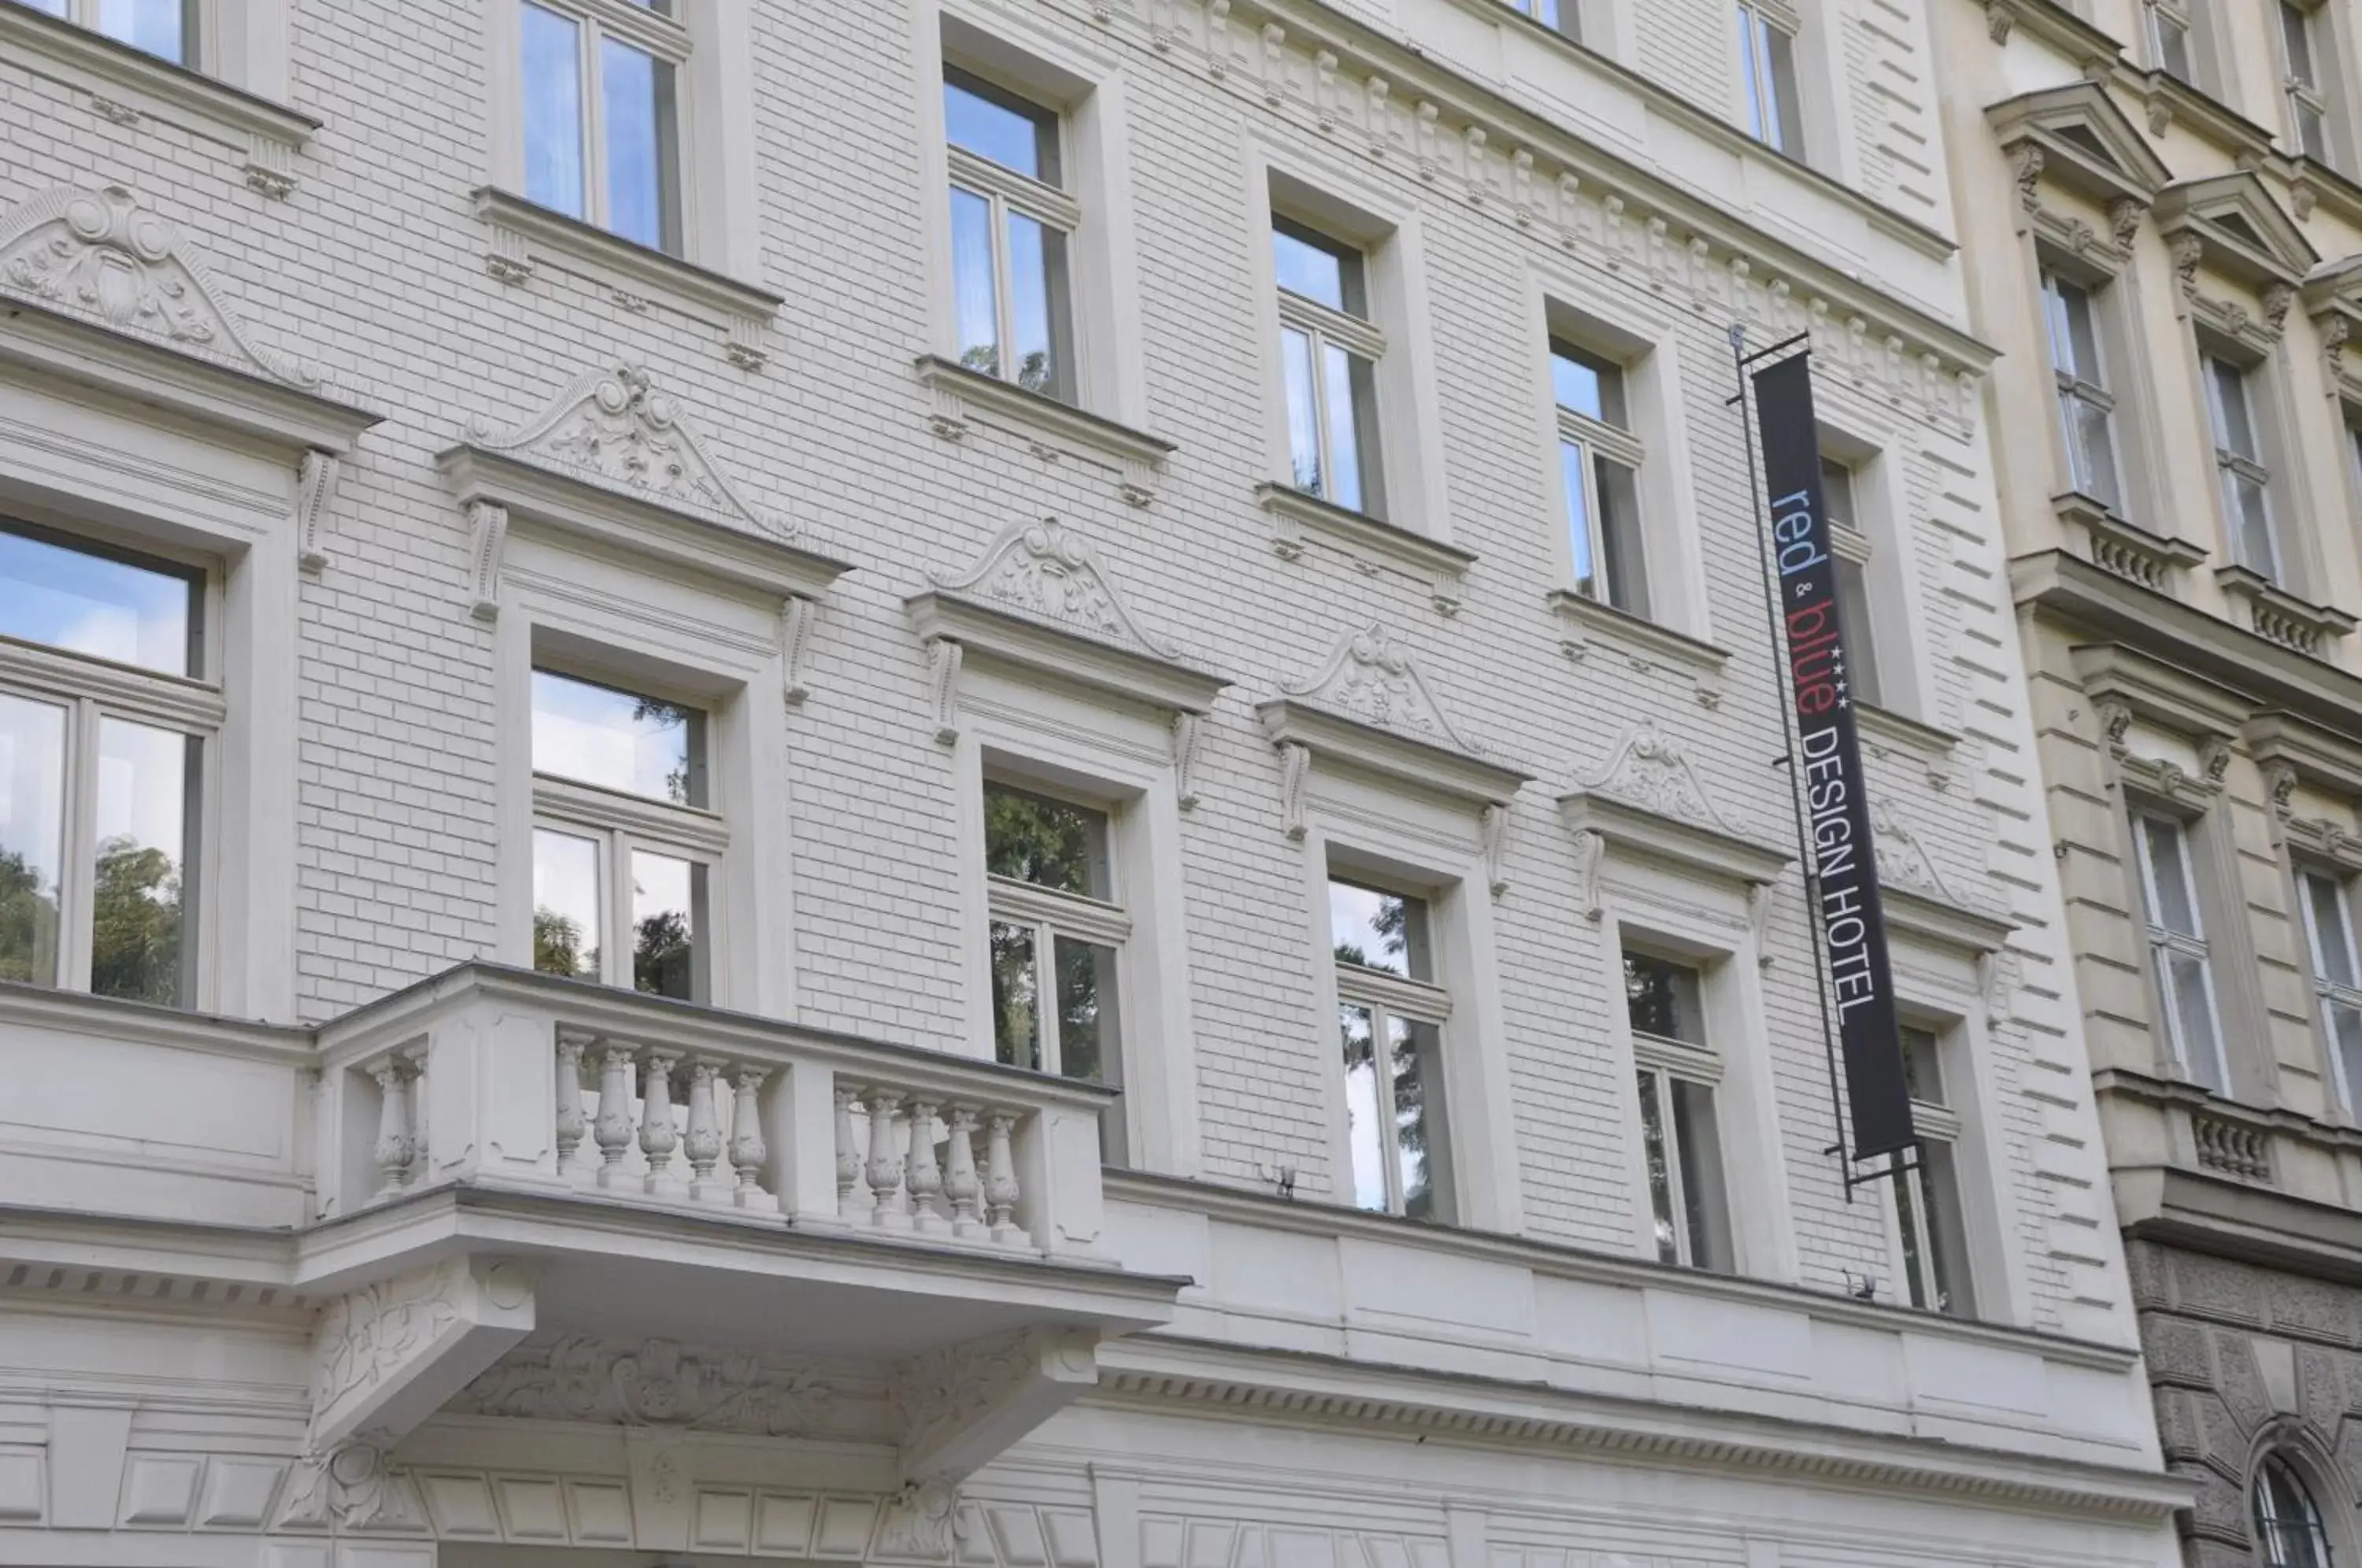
980 499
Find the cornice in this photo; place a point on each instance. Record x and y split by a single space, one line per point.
2314 754
1061 421
1439 565
79 1012
2052 24
2160 691
2198 207
1635 829
2169 100
2273 611
1585 622
1941 920
1333 738
2126 169
1087 661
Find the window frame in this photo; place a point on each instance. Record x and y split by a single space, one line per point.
1563 18
1420 1002
1602 440
2233 467
1359 337
1006 191
2271 1542
1925 1197
1853 549
2303 96
2163 941
1757 21
2077 390
1660 1064
667 38
2157 16
1052 912
2332 995
199 52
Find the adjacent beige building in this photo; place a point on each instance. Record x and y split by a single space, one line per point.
2163 237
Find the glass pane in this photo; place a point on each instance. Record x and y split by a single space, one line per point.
32 837
1699 1146
1314 267
2193 1007
565 904
2312 131
1661 998
642 147
553 110
1575 468
1837 492
2093 443
1627 563
1090 1021
160 27
1303 410
1378 931
618 740
1038 307
1016 997
2333 938
1947 1236
1342 393
1051 843
1422 1157
1922 1075
2235 428
1787 116
2296 37
2172 38
1751 73
2164 842
147 786
1364 1136
977 297
1908 1199
2251 515
108 608
2345 1039
1661 1177
1000 127
54 7
1861 636
1588 385
668 923
1364 377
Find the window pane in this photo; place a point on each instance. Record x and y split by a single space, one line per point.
1588 385
668 924
1016 997
147 781
2234 429
2251 517
1908 1198
567 908
2169 870
2345 1039
1315 268
32 837
1751 71
1089 1038
553 110
1661 998
54 7
1947 1237
1787 120
1364 1137
1923 1076
160 27
1422 1158
2171 39
89 604
1038 306
1837 492
617 739
1378 931
1342 393
1303 410
1860 639
1699 1148
1660 1177
1627 563
977 297
642 145
2193 1008
2312 131
2093 442
1051 843
2333 938
2296 35
1574 466
1000 127
1364 378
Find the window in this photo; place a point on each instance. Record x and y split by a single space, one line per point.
2087 410
1560 16
1928 1215
1856 609
1391 1014
1058 933
1680 1145
166 28
600 113
2308 102
624 843
2238 455
1767 64
1329 352
1599 458
105 720
2177 945
2336 977
2171 49
1011 220
2289 1532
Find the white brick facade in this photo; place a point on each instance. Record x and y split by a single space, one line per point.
369 810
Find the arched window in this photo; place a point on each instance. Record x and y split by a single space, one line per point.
2288 1525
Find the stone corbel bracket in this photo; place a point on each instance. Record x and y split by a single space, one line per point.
959 1407
389 1355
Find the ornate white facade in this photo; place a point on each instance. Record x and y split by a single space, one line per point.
354 1242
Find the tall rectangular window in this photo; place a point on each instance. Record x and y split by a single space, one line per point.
1599 461
1559 16
165 28
2087 410
2172 48
624 841
2336 977
1391 1016
1012 221
2308 96
2239 457
1856 609
1057 938
1329 352
1681 1144
106 722
1927 1214
2180 960
602 114
1767 65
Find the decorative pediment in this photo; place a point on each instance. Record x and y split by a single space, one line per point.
1916 897
2079 141
1371 678
1039 599
1648 798
2235 228
109 293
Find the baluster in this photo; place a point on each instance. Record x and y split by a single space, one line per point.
885 1165
747 1150
960 1185
397 1145
422 1143
570 1125
658 1136
613 1127
704 1143
999 1177
848 1152
926 1178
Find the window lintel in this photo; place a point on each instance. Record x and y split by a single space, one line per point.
1336 739
1635 829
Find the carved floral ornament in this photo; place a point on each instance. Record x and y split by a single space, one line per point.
1373 679
652 1383
1650 769
1045 570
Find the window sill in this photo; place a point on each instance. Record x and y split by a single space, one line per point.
965 398
2273 612
1584 623
1930 743
1334 738
1941 920
1297 518
127 85
525 235
2121 547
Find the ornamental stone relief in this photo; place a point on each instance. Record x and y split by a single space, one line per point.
650 1383
1373 678
1045 571
1651 769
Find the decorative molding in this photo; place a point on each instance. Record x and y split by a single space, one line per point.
1650 769
649 1383
1586 622
2232 224
1648 798
1188 740
958 1406
1761 898
387 1356
964 399
1369 678
2075 137
925 1523
944 660
2326 758
353 1486
1044 570
796 618
1373 543
1903 860
1590 850
488 534
1494 834
1294 782
315 486
2125 549
2279 617
1914 895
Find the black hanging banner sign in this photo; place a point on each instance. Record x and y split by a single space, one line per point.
1828 759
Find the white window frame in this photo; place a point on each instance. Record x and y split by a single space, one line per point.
1783 130
1936 1122
2080 387
2158 18
1053 912
1357 336
1853 547
1563 18
1658 1060
1006 191
667 38
2306 98
2330 996
200 47
1416 1001
2233 466
92 690
1617 444
2163 941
